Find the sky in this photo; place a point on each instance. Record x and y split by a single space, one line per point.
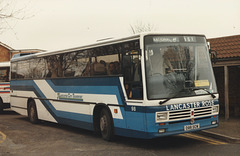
61 24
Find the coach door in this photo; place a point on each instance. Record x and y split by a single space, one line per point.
134 89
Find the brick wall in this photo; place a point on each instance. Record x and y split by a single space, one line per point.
4 54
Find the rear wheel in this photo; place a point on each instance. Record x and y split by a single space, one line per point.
1 106
106 125
32 112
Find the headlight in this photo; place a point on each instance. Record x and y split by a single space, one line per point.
161 116
215 109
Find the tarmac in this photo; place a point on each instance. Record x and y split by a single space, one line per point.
228 130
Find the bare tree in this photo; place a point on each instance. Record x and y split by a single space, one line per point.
9 12
142 27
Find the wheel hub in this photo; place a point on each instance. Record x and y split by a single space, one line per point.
103 123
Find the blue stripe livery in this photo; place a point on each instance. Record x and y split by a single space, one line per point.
138 122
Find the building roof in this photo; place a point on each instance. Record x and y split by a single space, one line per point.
6 46
226 47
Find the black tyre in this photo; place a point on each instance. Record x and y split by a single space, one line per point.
32 112
1 106
106 125
96 122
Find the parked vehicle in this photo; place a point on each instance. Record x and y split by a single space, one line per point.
144 86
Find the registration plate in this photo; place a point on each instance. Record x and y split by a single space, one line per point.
191 127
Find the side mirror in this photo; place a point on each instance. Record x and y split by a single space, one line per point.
213 55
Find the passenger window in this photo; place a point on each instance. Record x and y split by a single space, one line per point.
4 74
23 70
37 68
13 70
105 61
53 66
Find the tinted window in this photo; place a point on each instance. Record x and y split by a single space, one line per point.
76 64
105 60
23 70
4 74
37 68
100 61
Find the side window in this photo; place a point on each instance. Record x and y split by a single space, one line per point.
68 64
132 70
73 64
77 64
13 70
105 61
23 70
37 68
4 74
53 65
57 65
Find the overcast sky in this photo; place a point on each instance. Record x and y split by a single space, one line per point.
59 24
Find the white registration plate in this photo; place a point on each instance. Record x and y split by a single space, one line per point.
191 127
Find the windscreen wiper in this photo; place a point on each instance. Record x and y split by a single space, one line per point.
192 89
213 96
167 99
164 101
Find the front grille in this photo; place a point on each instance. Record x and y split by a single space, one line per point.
190 113
199 112
179 114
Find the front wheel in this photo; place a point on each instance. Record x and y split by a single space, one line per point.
106 125
32 112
